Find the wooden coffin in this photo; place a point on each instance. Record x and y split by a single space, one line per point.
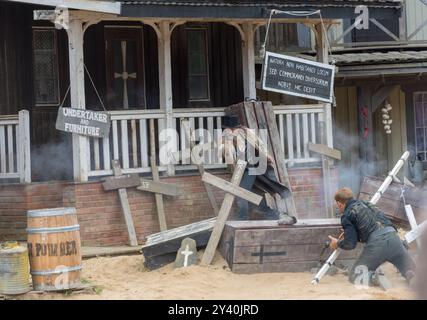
392 203
161 248
263 246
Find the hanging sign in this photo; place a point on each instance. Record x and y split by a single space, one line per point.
298 77
83 122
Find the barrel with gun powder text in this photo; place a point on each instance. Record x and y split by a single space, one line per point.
54 249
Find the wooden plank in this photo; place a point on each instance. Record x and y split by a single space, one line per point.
134 144
210 139
96 153
160 187
218 131
155 172
133 241
313 127
279 156
120 182
115 140
223 215
143 142
2 150
10 150
298 135
178 232
106 153
125 143
325 150
231 188
290 136
305 134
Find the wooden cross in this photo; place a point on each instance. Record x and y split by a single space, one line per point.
232 189
121 182
416 230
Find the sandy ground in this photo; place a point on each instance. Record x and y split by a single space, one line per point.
124 277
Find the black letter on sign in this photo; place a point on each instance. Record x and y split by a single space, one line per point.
30 249
62 249
52 249
38 249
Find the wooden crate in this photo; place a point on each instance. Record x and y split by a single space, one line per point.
391 202
263 246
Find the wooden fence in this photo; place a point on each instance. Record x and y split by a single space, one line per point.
15 159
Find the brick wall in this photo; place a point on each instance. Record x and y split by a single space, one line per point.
17 199
99 212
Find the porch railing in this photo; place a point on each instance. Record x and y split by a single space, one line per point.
15 159
130 143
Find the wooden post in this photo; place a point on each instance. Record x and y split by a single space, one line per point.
248 51
133 241
223 215
77 93
155 171
325 123
23 147
165 79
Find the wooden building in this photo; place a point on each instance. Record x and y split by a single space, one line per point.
142 60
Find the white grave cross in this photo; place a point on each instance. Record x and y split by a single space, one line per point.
186 254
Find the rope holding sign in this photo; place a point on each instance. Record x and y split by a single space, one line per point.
296 14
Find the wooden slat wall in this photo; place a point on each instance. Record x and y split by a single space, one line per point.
346 137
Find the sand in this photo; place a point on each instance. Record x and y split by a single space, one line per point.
124 277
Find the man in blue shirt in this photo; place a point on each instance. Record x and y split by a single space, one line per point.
364 222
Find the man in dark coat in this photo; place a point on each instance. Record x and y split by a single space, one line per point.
364 222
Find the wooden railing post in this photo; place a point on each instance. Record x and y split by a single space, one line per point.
24 150
77 94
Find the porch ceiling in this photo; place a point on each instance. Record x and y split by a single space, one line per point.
255 9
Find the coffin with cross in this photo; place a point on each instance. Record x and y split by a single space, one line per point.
263 246
392 203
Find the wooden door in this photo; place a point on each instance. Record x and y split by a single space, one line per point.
124 68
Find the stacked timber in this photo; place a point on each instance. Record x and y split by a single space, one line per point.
161 248
392 203
263 246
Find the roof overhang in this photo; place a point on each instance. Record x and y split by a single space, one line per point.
112 7
382 70
248 9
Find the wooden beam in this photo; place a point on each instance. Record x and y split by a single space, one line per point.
155 171
223 215
324 150
231 188
81 157
121 181
133 241
325 120
89 5
416 233
160 187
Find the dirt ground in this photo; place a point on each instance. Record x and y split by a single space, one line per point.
124 277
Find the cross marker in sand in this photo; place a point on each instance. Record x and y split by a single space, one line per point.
186 254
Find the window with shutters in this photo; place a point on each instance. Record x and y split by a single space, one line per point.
45 65
420 100
198 70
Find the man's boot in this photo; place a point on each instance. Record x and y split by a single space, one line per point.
379 279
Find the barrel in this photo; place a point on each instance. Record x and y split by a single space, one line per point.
54 249
14 269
